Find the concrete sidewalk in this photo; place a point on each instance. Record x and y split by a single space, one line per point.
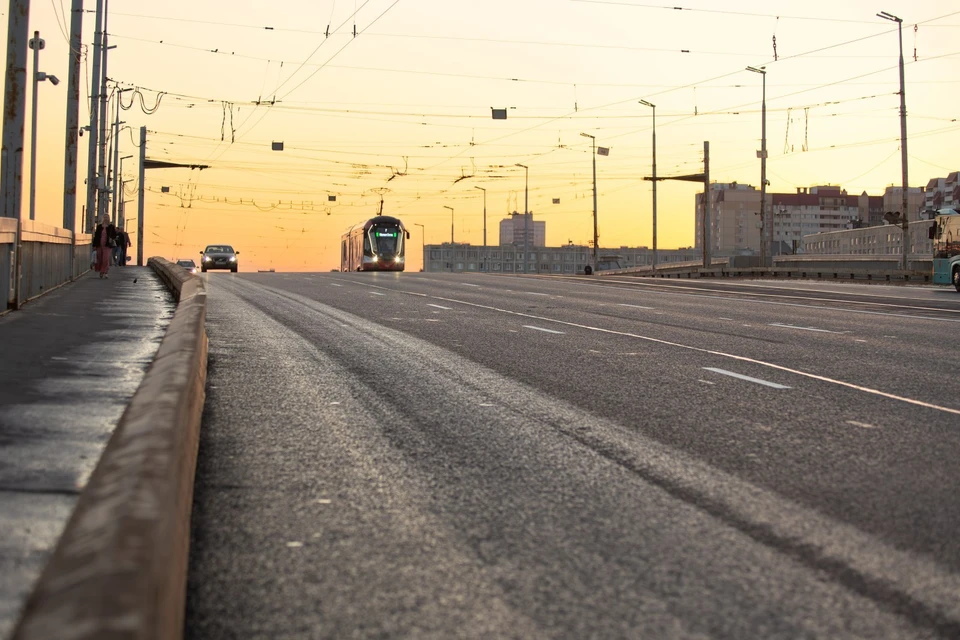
70 362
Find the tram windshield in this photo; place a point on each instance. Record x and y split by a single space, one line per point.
386 240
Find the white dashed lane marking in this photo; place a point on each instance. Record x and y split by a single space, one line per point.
437 306
739 376
791 326
528 326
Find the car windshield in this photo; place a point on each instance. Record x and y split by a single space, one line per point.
218 248
186 263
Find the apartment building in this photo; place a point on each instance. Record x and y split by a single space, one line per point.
735 216
513 227
942 193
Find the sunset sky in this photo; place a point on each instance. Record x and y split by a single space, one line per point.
402 111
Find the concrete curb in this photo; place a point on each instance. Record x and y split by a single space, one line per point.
120 566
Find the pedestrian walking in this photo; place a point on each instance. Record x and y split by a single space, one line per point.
104 241
123 241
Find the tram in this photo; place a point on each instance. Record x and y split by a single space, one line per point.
375 245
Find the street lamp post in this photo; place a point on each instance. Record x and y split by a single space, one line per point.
654 108
593 141
423 243
484 226
118 179
451 223
526 214
904 222
763 173
36 43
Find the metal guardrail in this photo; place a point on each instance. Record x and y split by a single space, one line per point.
49 257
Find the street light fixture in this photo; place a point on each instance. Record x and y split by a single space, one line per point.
451 223
593 141
484 224
904 222
764 232
654 108
36 43
526 214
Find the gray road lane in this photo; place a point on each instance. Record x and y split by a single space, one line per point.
395 468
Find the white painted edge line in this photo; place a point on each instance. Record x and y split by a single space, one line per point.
530 326
635 306
740 376
439 306
793 326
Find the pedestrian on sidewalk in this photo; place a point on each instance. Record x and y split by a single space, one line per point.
104 241
123 241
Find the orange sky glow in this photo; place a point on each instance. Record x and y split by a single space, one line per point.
390 101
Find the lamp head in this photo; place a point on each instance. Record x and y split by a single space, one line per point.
647 104
762 70
41 76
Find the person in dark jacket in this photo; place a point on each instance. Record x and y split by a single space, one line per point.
123 241
104 241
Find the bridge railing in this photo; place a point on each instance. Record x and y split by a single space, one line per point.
834 267
49 256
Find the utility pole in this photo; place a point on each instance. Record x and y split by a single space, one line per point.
94 129
905 221
593 142
707 257
15 104
764 243
104 118
484 225
11 158
73 123
143 167
654 178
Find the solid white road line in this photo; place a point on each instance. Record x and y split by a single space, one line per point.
635 306
747 378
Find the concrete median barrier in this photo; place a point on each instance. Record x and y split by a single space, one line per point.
120 567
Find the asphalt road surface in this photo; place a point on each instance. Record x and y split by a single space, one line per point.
475 456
